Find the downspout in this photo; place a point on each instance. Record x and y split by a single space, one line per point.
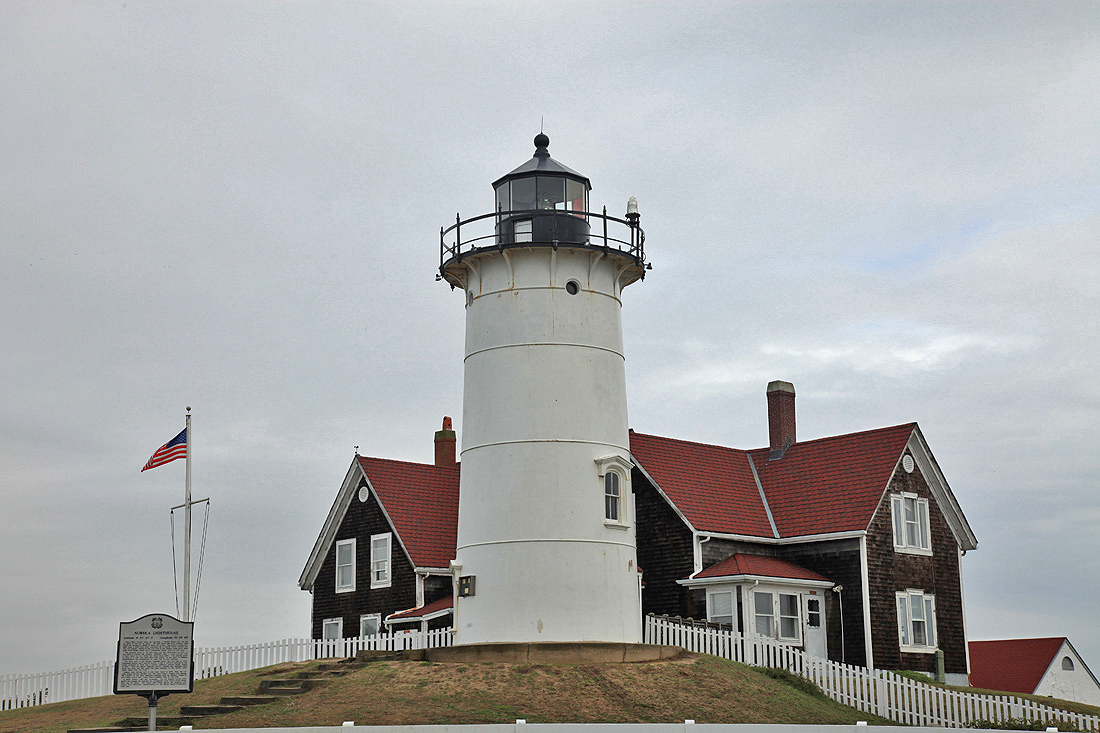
697 560
962 603
839 589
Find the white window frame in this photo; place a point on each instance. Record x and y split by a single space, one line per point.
380 561
775 617
911 535
904 603
621 468
330 622
711 607
364 618
613 497
347 587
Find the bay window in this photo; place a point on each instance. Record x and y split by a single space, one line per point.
776 615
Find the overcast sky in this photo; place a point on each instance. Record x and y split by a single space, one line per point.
236 206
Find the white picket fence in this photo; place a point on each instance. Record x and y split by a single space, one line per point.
94 680
877 692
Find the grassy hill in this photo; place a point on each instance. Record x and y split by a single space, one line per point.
706 689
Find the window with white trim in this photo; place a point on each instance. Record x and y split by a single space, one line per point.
612 497
380 545
345 566
720 607
911 526
776 615
916 621
614 475
370 624
332 628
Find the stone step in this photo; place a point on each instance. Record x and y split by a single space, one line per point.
245 700
320 674
164 722
209 709
290 687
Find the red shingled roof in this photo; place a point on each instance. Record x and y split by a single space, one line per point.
422 502
818 486
769 567
430 608
1012 665
711 485
830 484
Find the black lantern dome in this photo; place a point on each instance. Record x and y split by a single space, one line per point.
529 199
542 203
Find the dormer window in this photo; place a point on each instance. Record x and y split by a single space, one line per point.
912 533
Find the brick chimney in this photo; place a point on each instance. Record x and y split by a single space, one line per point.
780 418
445 444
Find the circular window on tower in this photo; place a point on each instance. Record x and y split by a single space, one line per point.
572 287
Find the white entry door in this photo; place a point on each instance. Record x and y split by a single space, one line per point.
813 625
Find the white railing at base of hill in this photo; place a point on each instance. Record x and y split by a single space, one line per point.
94 680
878 692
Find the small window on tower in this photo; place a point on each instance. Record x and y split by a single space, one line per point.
612 497
614 476
572 287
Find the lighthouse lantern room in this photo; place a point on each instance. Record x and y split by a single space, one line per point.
546 527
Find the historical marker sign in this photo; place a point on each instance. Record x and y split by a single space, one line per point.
155 655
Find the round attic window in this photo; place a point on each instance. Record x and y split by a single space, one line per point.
364 492
907 463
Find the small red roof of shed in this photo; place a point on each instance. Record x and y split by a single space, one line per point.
769 567
1012 665
413 613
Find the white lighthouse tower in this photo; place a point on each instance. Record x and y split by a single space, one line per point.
546 528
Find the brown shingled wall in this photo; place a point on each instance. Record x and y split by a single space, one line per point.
361 521
891 571
664 553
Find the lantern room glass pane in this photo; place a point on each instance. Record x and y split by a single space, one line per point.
503 204
550 192
575 196
523 194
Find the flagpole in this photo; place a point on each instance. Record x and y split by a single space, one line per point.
187 528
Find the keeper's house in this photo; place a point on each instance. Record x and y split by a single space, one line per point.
846 546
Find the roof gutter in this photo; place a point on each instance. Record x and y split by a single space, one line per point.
693 582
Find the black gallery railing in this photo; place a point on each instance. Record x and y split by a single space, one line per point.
552 228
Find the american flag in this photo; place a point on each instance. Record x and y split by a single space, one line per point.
170 451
